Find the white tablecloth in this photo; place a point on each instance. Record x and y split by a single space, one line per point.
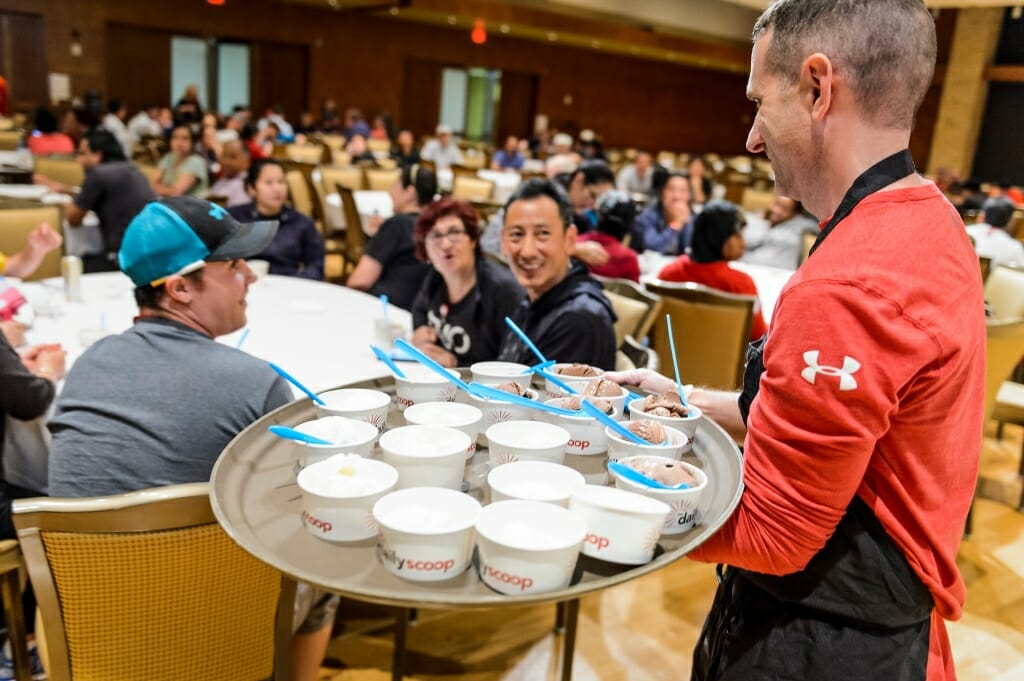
320 333
505 182
368 203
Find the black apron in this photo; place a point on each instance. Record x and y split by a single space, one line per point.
857 611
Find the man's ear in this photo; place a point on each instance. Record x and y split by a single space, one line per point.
178 288
817 79
570 238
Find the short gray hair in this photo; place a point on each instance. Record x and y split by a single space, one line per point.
885 49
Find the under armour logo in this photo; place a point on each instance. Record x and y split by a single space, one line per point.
216 211
845 374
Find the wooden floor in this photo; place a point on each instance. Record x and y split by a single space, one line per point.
645 629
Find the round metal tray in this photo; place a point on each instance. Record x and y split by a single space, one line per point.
256 499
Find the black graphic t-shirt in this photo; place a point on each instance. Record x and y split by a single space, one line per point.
472 328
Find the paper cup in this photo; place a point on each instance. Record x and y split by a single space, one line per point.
513 441
586 433
534 481
619 447
687 425
426 533
496 411
528 546
622 527
338 495
348 435
423 385
577 383
426 456
463 417
361 404
685 503
260 268
496 373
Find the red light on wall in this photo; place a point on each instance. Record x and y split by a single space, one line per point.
479 33
218 3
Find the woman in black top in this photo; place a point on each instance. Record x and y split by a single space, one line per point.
457 317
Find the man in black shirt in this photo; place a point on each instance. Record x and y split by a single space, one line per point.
566 313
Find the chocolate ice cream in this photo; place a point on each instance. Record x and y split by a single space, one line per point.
668 473
652 431
603 388
666 404
513 388
582 370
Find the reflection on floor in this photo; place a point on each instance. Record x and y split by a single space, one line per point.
645 629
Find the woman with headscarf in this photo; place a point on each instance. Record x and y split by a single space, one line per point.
717 239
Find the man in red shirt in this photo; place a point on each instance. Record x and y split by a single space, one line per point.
862 408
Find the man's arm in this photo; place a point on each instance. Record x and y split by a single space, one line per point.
39 242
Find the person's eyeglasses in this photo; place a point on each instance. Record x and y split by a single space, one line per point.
454 235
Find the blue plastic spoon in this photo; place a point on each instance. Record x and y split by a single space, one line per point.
426 361
294 381
526 339
614 425
636 476
297 435
487 392
383 356
675 362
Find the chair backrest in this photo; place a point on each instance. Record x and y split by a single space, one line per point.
298 190
807 240
1004 291
711 330
152 172
355 239
637 325
379 179
472 188
757 200
64 170
1004 348
346 176
986 267
147 585
16 223
634 355
376 145
10 140
305 153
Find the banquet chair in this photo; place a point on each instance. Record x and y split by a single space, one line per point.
472 188
16 223
1009 408
380 180
756 200
711 330
634 355
334 238
1004 347
355 238
298 191
347 176
67 171
312 154
10 140
1004 291
807 239
635 307
376 145
986 267
147 586
11 566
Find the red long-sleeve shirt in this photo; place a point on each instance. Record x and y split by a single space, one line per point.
873 385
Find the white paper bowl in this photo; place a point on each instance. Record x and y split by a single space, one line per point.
496 373
526 441
336 511
426 533
687 425
534 481
618 401
678 444
586 433
622 527
464 417
685 503
426 456
577 383
348 435
356 403
423 385
496 411
528 546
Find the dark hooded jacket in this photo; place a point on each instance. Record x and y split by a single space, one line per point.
573 322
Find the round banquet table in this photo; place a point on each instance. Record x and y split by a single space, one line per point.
320 333
257 501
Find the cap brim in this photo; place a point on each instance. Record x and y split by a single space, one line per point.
252 239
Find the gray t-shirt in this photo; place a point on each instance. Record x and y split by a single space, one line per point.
154 406
116 191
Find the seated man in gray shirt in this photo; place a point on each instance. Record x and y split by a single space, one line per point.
779 245
158 403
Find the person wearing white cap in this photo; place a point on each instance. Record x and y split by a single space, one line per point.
442 152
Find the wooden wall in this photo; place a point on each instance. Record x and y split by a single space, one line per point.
362 60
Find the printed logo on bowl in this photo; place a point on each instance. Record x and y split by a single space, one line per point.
403 564
492 574
446 394
403 402
506 457
650 542
322 525
598 542
498 416
377 421
369 521
577 444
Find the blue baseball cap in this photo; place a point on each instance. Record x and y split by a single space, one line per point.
180 234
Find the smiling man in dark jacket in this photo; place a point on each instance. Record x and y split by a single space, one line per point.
565 313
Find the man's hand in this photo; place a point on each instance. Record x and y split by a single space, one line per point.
645 379
47 361
52 185
14 332
43 239
591 252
